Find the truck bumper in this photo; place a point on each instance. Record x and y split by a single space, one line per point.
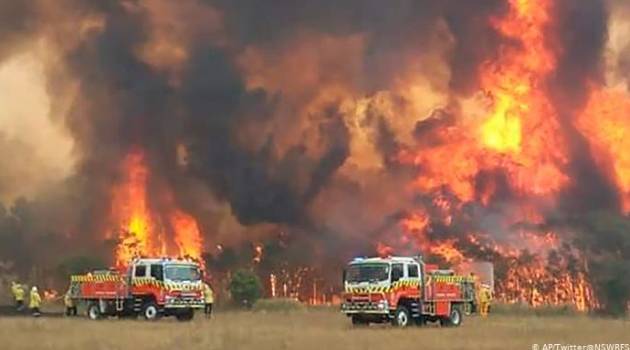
184 304
353 308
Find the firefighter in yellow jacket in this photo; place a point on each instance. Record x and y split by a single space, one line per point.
208 296
18 295
71 308
485 298
35 302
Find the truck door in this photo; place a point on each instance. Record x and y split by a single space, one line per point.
413 274
157 272
397 272
139 273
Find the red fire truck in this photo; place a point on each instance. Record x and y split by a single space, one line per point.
404 291
151 288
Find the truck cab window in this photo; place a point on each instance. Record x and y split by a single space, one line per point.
412 271
157 272
141 271
397 272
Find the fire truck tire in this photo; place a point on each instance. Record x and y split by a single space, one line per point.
402 317
150 311
454 319
93 312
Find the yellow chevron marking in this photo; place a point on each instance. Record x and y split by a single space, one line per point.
452 279
95 278
137 281
384 289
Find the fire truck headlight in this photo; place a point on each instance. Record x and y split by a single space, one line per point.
382 305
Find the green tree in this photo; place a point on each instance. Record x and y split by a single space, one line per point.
245 288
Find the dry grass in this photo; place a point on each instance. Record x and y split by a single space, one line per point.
321 330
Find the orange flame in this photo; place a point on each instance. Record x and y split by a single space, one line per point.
130 208
520 135
258 253
606 124
142 230
187 234
520 106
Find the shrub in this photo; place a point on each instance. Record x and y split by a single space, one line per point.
245 288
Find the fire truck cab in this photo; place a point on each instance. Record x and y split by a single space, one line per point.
148 287
404 291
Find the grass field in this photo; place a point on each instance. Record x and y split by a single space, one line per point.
314 329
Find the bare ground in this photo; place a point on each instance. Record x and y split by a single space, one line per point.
320 330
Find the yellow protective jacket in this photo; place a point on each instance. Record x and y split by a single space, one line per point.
67 300
18 292
208 294
36 300
485 296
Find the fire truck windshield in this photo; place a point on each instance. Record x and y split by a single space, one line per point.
357 273
182 273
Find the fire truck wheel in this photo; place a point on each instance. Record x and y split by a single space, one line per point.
93 312
454 319
150 311
402 318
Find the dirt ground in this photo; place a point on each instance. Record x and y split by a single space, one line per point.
320 330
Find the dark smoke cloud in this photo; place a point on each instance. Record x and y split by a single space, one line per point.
125 103
394 30
581 34
259 187
475 40
580 38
